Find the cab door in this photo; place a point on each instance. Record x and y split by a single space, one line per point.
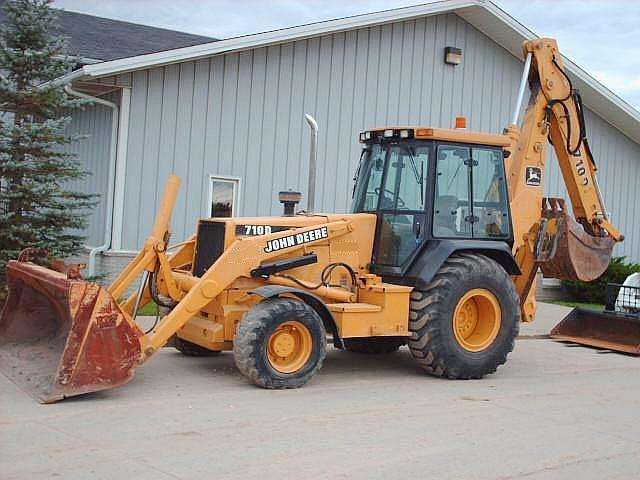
401 211
470 197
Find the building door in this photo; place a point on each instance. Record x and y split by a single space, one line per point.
223 196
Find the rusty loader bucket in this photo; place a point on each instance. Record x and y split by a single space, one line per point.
62 336
616 328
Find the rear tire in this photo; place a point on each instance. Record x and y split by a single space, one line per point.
374 345
192 350
280 343
441 349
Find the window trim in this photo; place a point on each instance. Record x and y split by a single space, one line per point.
237 184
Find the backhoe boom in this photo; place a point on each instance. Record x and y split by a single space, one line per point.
545 235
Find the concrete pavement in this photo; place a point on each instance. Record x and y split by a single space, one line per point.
552 411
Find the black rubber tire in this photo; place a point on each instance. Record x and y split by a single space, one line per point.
433 343
191 349
374 345
252 336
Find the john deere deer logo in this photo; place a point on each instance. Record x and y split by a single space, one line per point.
533 176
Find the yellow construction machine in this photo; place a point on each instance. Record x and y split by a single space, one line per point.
440 252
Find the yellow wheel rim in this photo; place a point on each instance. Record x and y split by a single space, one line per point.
289 347
477 319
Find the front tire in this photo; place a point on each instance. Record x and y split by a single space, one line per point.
464 323
280 343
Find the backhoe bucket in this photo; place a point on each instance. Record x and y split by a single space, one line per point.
62 336
577 255
610 330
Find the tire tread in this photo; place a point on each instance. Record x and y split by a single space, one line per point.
248 344
426 343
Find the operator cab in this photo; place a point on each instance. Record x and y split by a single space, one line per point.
429 184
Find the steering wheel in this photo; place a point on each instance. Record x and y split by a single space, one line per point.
401 203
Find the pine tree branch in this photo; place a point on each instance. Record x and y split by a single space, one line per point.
39 204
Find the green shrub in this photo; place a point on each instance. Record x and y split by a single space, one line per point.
595 291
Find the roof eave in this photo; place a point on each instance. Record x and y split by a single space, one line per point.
66 78
195 52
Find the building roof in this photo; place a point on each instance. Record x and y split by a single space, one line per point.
482 14
96 39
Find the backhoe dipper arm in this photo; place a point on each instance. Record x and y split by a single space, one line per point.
555 115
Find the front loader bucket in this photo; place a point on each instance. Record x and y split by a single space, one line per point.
610 330
578 255
61 337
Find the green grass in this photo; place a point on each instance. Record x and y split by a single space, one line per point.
589 306
150 310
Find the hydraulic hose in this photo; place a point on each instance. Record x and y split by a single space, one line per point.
153 288
325 277
577 102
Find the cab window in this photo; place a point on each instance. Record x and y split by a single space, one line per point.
471 198
402 204
369 179
452 193
490 199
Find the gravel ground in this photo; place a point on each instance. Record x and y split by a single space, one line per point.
553 411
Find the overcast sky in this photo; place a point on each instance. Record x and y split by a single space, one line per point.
602 36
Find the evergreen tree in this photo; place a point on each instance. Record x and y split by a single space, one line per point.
38 207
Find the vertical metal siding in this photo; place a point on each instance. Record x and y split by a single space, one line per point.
94 122
241 115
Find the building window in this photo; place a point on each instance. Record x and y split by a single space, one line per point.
223 196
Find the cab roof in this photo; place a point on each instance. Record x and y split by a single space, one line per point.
459 135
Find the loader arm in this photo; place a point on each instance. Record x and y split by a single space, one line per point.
546 235
190 293
243 256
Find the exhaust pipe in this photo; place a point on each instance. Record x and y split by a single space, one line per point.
313 160
289 199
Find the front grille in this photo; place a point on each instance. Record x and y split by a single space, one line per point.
209 245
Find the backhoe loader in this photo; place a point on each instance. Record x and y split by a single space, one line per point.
447 231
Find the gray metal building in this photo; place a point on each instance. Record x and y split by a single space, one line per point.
227 116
